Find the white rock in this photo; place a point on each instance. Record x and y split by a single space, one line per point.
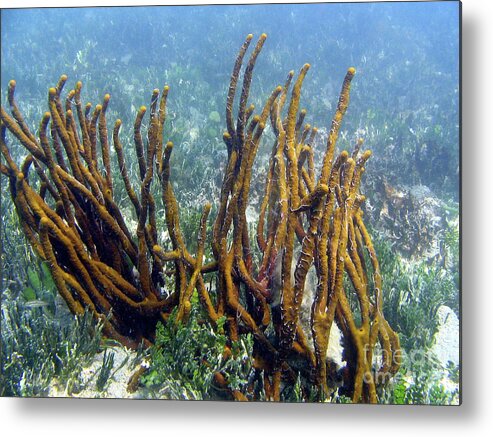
446 339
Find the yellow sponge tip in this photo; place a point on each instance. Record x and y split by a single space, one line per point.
44 221
351 70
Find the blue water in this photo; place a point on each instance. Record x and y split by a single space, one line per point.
406 90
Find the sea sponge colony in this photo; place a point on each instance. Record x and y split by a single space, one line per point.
308 224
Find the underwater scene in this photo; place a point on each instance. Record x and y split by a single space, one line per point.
235 203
